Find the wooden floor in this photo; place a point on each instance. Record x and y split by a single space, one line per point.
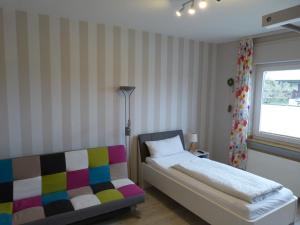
159 209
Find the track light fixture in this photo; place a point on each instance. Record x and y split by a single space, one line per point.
202 4
192 9
189 6
179 12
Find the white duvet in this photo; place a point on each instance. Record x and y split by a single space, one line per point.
235 182
246 210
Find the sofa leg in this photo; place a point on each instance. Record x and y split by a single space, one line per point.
135 212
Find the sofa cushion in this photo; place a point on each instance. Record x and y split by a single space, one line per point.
5 219
6 174
80 191
99 174
27 203
6 211
77 160
102 186
6 208
28 215
6 192
58 207
53 197
54 183
84 201
130 190
27 188
98 157
77 179
109 195
118 171
53 163
26 167
121 182
117 154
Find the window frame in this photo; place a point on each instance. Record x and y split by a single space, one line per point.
257 100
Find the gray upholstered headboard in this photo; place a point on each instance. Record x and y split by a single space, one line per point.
144 152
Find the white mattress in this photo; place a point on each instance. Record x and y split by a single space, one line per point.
242 208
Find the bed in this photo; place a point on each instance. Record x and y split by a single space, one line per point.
210 204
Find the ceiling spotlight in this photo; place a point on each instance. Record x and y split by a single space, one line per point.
202 4
178 13
192 11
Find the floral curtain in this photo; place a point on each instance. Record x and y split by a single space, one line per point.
239 130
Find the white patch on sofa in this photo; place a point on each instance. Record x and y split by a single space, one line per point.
121 182
84 201
27 188
77 160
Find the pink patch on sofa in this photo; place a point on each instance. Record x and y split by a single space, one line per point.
27 203
130 190
117 154
77 179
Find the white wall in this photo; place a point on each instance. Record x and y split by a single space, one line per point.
284 171
226 67
59 81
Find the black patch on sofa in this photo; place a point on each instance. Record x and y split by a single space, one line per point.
102 186
53 163
58 207
6 192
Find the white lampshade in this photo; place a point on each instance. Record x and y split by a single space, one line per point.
193 138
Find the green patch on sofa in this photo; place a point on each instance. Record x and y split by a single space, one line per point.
98 157
6 208
54 183
109 195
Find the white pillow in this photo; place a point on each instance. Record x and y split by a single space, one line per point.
165 147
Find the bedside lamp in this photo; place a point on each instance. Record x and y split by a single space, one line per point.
193 139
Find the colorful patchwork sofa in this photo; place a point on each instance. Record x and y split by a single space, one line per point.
67 187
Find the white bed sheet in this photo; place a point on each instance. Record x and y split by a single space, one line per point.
241 208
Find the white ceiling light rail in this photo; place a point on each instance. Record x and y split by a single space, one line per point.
189 6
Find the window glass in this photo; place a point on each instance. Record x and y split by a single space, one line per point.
280 103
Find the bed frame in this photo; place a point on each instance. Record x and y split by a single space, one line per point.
200 205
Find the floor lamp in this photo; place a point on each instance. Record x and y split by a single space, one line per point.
127 91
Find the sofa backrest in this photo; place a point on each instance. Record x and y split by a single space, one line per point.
32 176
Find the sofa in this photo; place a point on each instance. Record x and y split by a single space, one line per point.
66 187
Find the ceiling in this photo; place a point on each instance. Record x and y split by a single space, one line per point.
219 22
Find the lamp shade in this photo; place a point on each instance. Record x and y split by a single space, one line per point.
193 138
127 88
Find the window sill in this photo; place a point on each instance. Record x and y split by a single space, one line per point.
284 145
277 149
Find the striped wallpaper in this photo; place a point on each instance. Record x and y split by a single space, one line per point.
59 82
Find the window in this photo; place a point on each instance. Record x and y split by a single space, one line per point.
277 103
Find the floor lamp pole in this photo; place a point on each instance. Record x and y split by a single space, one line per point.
127 91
